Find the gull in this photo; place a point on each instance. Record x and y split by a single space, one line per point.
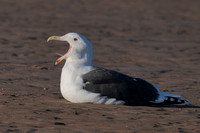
82 82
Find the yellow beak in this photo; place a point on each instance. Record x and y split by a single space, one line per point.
59 38
55 38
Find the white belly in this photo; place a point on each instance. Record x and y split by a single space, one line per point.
71 86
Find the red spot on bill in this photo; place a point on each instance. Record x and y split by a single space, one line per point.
58 61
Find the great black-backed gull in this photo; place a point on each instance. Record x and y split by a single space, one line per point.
81 82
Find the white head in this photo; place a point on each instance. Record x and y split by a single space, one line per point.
79 48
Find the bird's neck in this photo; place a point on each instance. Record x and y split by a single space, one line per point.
76 67
81 59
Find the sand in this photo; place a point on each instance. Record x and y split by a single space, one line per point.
154 40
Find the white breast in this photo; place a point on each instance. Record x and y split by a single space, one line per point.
71 86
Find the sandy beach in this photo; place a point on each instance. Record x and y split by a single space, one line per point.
155 40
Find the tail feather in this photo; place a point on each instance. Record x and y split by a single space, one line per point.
168 98
170 95
174 100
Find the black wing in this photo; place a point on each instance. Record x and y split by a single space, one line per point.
133 91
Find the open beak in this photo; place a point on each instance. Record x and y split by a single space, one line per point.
59 38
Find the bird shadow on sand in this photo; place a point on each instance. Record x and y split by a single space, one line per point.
176 106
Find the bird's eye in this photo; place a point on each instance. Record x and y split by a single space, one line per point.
75 39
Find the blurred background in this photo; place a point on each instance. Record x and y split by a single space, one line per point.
155 40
